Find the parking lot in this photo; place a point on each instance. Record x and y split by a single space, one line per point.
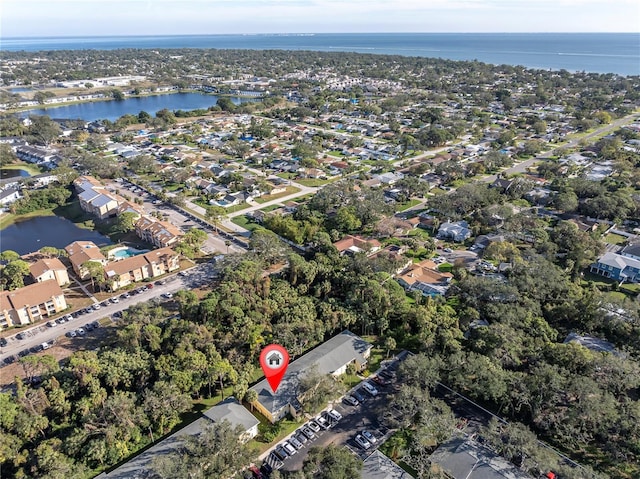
366 416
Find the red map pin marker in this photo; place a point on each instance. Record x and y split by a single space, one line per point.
274 360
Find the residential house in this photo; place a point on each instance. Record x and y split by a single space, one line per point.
9 195
94 197
31 303
458 231
632 250
158 233
379 466
357 244
618 267
143 266
426 278
39 156
463 458
49 268
229 410
331 357
80 252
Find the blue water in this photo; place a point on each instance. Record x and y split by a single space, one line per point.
32 234
13 173
112 110
128 253
590 52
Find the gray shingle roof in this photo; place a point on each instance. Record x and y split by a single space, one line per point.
466 459
379 466
329 357
234 412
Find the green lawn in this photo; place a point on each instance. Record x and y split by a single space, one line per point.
244 222
613 238
290 190
313 182
407 204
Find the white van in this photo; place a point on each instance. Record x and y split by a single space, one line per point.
45 346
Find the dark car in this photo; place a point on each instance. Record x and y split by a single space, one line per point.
358 395
23 353
266 469
21 335
380 381
385 373
3 342
9 359
280 453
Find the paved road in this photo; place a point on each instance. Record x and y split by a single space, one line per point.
42 333
183 220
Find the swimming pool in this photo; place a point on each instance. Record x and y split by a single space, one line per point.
125 252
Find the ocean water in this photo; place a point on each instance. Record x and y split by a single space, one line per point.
591 52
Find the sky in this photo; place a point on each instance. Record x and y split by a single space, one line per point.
32 18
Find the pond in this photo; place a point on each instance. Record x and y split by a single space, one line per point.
112 110
32 234
13 173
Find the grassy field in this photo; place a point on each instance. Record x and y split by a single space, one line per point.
313 182
290 190
244 222
613 238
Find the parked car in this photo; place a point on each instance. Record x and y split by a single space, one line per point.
96 307
368 435
266 469
335 414
68 317
150 286
380 381
280 453
71 334
256 472
52 324
95 324
80 332
362 442
88 327
295 443
162 281
10 359
351 400
23 353
301 438
369 388
289 448
125 296
358 395
167 295
388 374
61 321
21 335
115 300
308 432
3 342
314 426
322 422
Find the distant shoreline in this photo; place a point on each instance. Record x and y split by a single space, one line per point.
600 52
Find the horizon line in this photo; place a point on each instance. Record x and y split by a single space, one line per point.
322 33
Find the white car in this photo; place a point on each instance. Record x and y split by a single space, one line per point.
96 307
335 414
369 437
289 448
362 442
368 387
